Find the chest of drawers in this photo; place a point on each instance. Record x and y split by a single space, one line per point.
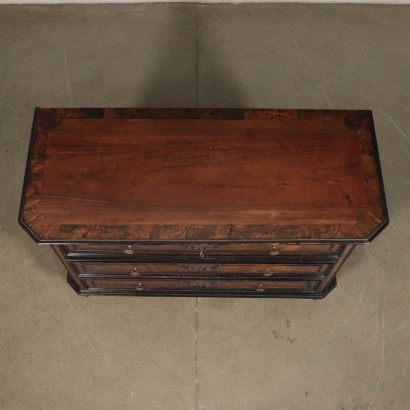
203 202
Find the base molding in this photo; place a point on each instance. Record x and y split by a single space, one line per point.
203 293
237 2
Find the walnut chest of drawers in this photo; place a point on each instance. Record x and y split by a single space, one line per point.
203 202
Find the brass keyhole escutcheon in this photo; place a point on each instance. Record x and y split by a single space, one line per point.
201 248
128 251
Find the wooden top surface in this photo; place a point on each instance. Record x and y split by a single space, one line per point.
198 174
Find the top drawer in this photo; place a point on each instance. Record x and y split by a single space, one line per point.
202 249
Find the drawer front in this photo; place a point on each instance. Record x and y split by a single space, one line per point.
140 285
155 270
201 249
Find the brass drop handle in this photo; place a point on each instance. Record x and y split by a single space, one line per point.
135 272
274 251
128 251
268 272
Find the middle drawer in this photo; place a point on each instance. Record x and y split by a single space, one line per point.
165 270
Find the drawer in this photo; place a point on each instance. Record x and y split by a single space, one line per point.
141 285
195 270
201 249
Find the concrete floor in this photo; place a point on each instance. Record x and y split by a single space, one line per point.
349 351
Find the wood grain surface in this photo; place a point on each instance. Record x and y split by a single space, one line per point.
164 270
196 174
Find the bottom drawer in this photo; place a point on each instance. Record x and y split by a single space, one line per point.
203 285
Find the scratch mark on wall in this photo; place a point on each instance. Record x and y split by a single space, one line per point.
303 54
87 341
67 76
383 339
375 390
395 124
367 96
61 287
41 329
14 364
72 309
391 332
320 85
88 94
329 80
382 356
329 103
196 354
353 313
